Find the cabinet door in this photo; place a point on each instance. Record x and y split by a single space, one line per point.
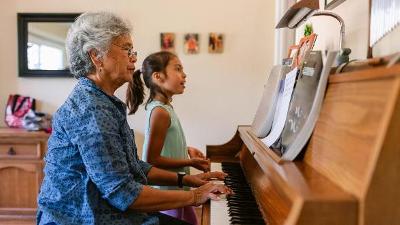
19 184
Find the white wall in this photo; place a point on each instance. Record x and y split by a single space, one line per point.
355 14
222 91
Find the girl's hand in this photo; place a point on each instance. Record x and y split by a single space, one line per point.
209 191
202 178
200 164
195 153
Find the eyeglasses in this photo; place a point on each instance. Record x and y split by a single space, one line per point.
131 53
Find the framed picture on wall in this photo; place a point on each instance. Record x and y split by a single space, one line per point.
215 43
331 4
167 42
191 43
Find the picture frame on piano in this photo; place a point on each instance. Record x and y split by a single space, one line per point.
292 54
306 44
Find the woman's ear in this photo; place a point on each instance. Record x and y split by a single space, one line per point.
97 61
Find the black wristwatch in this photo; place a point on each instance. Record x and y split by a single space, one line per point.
180 179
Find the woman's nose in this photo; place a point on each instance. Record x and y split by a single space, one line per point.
133 59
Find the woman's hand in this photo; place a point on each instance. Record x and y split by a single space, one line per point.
195 153
200 164
209 191
202 178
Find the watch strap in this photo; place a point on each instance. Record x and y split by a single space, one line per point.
180 179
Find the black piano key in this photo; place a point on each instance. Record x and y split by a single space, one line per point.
242 207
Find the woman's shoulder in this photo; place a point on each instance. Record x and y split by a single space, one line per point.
81 101
85 103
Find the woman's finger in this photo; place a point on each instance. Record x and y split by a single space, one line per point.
216 174
213 197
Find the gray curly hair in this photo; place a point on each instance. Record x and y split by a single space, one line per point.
92 30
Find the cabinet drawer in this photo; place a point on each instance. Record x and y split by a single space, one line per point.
20 151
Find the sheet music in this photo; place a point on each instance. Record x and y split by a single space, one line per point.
282 107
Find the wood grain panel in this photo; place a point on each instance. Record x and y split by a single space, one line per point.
20 184
342 144
21 173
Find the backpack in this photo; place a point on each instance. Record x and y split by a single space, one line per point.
17 107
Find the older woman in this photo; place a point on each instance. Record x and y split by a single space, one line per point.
92 173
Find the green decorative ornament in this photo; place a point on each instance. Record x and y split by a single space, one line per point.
308 30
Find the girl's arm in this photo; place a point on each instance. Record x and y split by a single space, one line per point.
159 124
195 153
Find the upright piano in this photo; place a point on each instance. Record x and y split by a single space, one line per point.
349 172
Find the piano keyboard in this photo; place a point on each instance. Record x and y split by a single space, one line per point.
240 208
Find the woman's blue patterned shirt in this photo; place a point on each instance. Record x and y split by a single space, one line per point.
92 171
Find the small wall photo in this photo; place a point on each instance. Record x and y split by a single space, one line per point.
215 43
167 42
191 43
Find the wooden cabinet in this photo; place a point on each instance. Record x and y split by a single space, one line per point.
21 171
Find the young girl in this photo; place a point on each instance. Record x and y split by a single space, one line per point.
165 144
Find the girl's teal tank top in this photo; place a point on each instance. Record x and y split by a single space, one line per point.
174 143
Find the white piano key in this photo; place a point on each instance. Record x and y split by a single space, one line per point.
219 212
216 167
218 209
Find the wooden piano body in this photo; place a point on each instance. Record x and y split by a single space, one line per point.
350 171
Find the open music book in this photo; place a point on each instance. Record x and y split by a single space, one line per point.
262 122
282 106
296 106
306 103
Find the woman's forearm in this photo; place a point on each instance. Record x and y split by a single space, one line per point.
169 163
151 199
158 176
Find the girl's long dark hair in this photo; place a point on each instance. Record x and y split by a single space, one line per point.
134 93
156 62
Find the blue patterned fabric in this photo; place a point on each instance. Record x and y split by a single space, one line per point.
92 171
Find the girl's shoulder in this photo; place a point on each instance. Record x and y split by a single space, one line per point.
153 104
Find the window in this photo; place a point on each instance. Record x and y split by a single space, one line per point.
44 57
